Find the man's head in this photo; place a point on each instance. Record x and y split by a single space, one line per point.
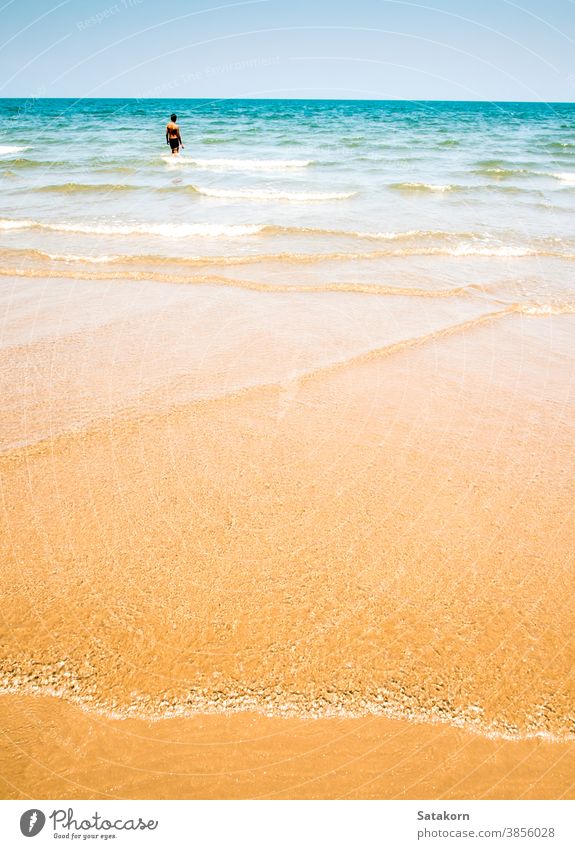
173 117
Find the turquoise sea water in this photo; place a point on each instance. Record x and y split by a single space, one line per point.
404 189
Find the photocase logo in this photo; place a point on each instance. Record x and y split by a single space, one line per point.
32 822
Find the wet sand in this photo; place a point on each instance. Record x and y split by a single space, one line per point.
364 568
53 750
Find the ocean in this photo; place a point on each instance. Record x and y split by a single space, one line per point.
381 189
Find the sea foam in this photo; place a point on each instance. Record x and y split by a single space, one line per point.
239 164
6 149
271 194
168 230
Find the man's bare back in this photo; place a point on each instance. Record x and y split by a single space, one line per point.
173 137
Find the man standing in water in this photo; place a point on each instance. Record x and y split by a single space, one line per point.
173 137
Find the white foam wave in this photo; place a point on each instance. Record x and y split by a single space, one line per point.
423 187
549 309
475 250
392 235
10 224
239 164
566 177
83 258
168 230
6 149
265 194
405 243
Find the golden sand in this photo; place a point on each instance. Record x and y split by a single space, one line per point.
353 579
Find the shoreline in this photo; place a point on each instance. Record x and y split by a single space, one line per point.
261 706
69 754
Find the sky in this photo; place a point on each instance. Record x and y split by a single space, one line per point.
355 49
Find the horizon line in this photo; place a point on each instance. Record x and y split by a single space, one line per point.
79 98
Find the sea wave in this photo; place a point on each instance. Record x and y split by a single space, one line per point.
501 171
392 243
420 188
423 187
565 177
167 230
493 250
64 682
73 188
22 163
271 194
7 149
532 309
48 680
557 145
239 164
43 261
220 280
17 224
104 259
243 229
557 308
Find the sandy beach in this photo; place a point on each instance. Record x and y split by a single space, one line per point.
288 483
387 538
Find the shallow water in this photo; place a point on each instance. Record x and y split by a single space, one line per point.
292 177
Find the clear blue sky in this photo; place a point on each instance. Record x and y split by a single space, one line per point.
441 49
